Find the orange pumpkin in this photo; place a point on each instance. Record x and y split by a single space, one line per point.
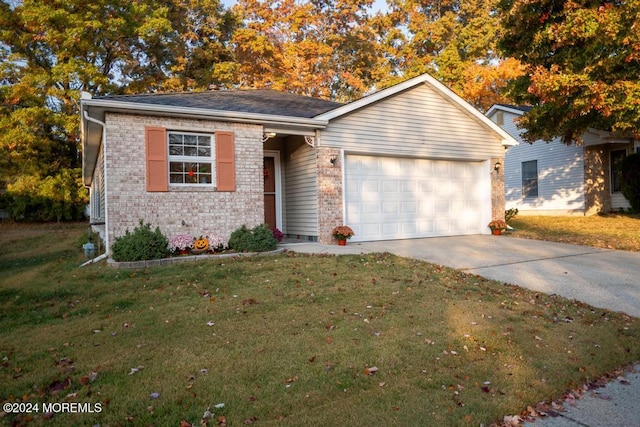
201 244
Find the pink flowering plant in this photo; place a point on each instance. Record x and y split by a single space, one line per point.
216 242
180 242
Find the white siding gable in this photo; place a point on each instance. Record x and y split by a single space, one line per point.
418 122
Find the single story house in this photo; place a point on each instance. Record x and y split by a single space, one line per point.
412 160
553 178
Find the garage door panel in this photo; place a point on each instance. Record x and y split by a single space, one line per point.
408 208
396 198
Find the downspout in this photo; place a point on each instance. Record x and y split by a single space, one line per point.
104 177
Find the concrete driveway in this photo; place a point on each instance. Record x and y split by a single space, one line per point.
599 277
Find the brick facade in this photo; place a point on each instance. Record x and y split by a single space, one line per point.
597 197
597 177
498 202
330 211
180 210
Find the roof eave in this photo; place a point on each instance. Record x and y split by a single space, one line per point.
98 107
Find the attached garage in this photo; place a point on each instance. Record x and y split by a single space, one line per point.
399 198
411 161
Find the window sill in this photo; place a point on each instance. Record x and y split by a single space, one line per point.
194 189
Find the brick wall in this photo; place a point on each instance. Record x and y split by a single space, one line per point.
329 192
596 170
497 188
180 210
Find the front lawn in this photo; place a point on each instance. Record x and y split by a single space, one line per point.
285 340
613 231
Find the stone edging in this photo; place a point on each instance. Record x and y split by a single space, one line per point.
187 258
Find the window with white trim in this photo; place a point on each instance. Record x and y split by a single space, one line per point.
191 159
530 178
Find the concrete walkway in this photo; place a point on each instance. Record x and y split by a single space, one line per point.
599 277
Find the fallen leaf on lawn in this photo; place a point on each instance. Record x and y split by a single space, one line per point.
370 371
222 421
136 369
184 423
328 340
86 379
512 420
291 380
250 420
57 386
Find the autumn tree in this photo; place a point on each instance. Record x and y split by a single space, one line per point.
52 50
582 59
453 40
321 48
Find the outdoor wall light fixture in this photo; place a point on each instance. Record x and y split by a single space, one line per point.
333 160
268 135
497 166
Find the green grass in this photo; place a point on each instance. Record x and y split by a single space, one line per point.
292 339
613 231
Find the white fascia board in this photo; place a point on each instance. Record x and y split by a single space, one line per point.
100 106
496 107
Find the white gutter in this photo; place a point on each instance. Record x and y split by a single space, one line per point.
238 117
104 178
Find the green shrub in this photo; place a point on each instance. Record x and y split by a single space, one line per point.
258 239
143 244
630 180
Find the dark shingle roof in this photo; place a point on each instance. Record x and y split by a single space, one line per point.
260 101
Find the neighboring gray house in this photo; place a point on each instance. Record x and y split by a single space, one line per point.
558 179
413 160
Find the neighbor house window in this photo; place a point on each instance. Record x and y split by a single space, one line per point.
530 178
191 158
617 157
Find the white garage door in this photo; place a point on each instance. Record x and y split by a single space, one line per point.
397 198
